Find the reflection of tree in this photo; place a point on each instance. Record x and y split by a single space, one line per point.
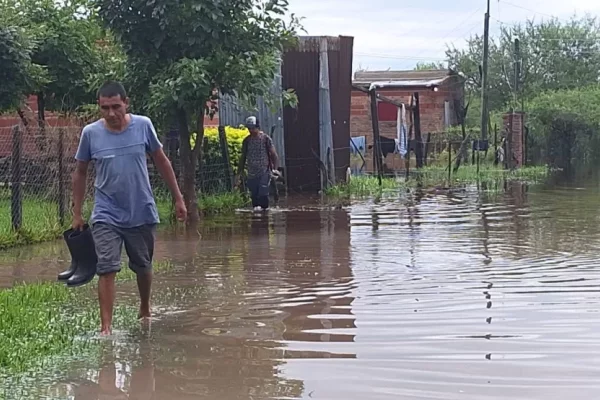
318 271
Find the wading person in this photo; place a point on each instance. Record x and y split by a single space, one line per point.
124 207
260 157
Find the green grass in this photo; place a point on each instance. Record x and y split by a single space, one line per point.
222 203
40 221
431 177
364 186
41 321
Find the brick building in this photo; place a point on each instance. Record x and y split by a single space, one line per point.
439 91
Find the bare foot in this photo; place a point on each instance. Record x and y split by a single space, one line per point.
105 332
144 314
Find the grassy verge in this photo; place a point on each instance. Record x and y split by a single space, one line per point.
43 321
224 203
41 222
430 177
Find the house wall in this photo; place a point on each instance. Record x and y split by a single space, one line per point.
431 106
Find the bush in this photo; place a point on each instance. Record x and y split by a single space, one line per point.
235 137
212 175
566 118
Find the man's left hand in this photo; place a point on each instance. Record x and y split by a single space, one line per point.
180 210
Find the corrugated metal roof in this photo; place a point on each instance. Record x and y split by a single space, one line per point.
424 78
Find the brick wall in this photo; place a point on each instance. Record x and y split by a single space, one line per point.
431 105
432 114
514 126
52 120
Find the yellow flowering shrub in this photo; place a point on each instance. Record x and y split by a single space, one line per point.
235 137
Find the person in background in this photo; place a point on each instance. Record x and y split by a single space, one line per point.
125 211
260 158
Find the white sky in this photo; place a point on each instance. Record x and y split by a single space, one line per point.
397 35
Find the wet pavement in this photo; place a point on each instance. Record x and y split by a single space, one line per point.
460 295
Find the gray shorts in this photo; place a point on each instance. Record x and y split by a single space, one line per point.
139 246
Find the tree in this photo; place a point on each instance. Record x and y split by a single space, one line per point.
183 53
15 62
425 66
553 56
64 52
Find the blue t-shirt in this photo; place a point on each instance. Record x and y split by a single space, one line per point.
123 195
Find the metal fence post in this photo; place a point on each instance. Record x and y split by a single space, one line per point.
61 177
225 157
16 203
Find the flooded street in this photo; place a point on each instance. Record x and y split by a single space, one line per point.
468 296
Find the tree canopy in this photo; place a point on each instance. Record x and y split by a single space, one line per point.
65 47
15 63
553 55
182 53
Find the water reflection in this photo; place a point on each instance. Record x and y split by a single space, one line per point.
246 303
457 295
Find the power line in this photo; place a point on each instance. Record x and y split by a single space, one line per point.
530 10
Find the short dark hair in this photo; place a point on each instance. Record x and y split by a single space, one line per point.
112 89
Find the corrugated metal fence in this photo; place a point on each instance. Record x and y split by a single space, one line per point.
232 113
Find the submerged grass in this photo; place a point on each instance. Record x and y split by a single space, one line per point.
41 321
430 177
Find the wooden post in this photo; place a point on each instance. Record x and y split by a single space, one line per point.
407 162
418 137
16 202
225 157
495 138
427 148
449 163
376 138
62 209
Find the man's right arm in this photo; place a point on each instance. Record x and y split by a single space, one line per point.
83 157
79 183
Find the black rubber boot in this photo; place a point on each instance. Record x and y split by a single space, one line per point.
84 254
63 276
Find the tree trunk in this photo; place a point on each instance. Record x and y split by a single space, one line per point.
41 136
188 167
23 118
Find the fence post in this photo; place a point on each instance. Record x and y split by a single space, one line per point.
449 163
62 209
418 136
376 138
427 148
225 157
16 201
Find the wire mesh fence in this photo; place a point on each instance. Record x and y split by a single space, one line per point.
437 150
36 166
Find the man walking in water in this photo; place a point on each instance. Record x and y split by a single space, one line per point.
261 157
124 207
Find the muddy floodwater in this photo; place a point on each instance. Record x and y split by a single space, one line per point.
468 296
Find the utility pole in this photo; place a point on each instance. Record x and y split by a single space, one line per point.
484 74
517 66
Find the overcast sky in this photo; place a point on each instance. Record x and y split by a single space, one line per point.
395 34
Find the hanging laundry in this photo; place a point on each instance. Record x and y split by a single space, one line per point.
358 143
401 137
